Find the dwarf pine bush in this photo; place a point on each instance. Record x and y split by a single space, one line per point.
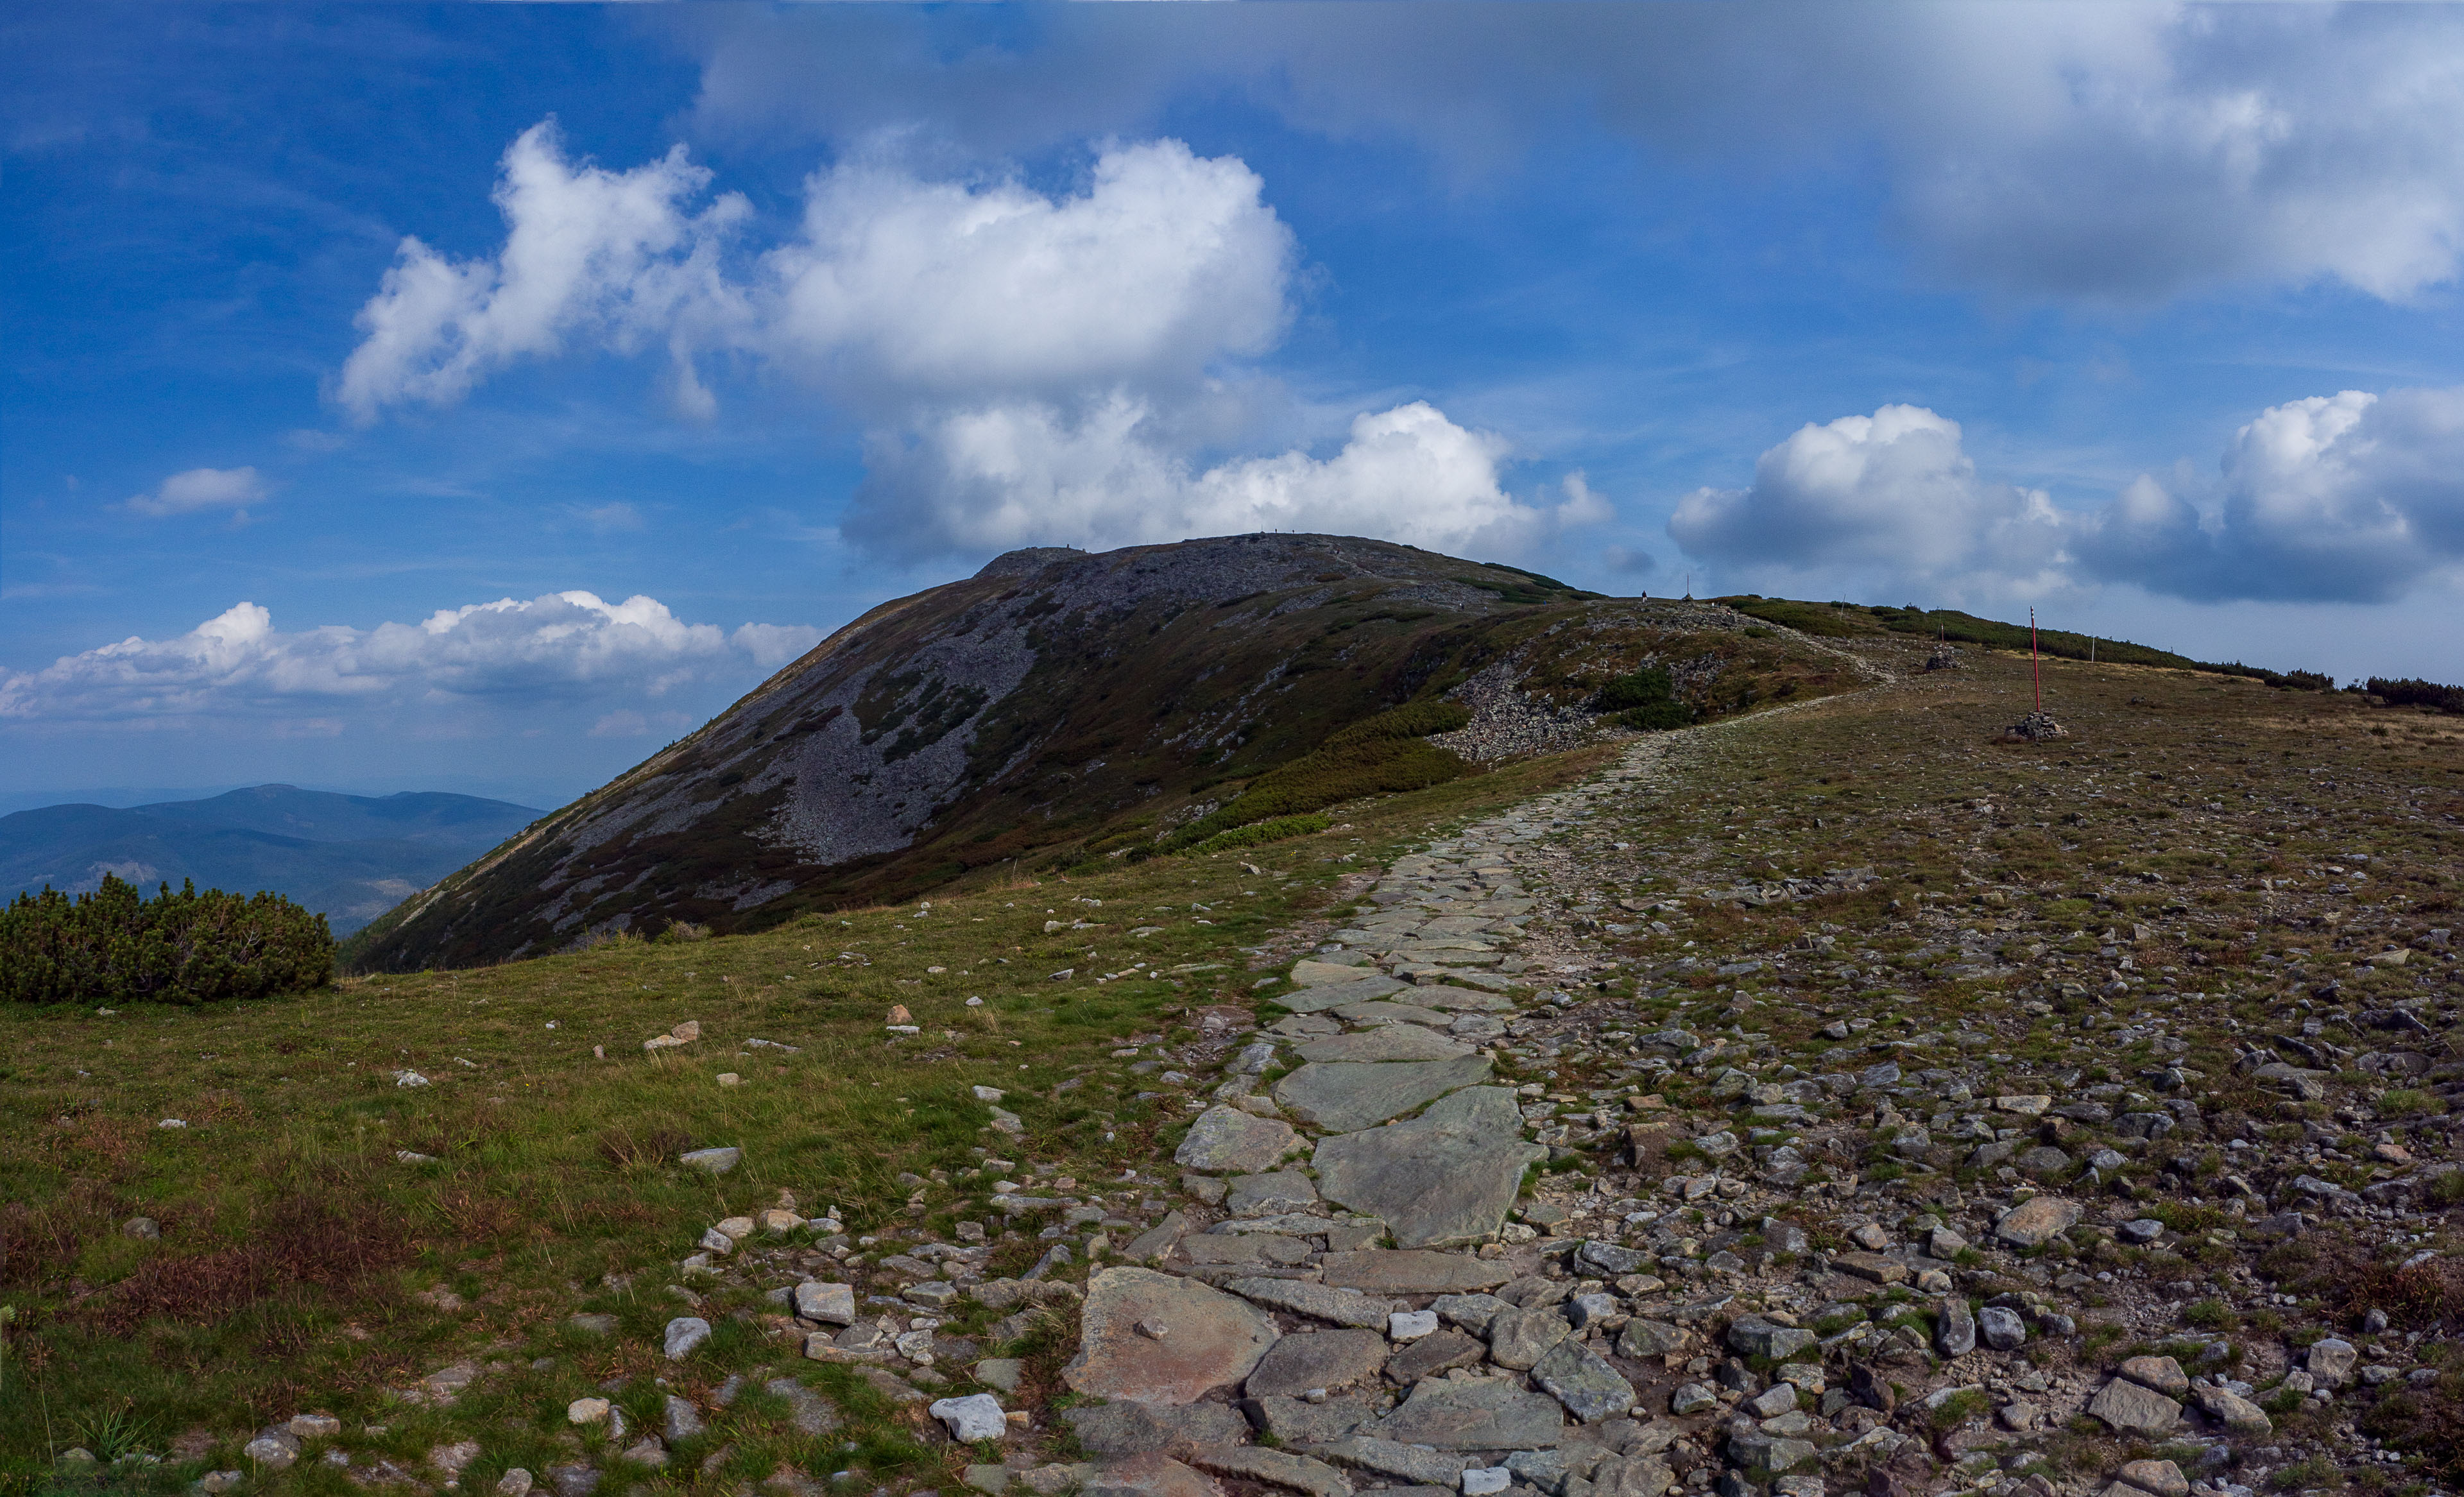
1380 755
115 945
2412 692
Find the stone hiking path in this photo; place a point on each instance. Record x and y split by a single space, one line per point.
1350 1305
1367 1288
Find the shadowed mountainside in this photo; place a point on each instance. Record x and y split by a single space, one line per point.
1059 706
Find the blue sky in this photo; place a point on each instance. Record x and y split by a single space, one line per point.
480 397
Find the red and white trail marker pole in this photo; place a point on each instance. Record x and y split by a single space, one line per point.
2036 661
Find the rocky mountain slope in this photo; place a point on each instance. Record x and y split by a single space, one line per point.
1060 706
349 857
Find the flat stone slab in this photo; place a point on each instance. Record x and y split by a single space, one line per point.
1394 1042
1146 1475
1519 1338
1461 950
1461 1000
1343 1307
1387 1013
1430 974
1445 1178
1275 1468
1345 1096
2236 1412
1486 1414
1412 1271
1325 1359
1229 1141
2133 1410
1589 1387
1125 1428
1300 1424
1324 974
2032 1222
1305 1224
1443 1351
1359 989
1268 1195
1225 1247
1211 1339
1392 1457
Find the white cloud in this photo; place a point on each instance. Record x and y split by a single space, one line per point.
613 256
992 478
771 645
1165 264
1031 368
202 489
2351 497
2132 154
2111 152
566 646
1894 492
892 289
2347 498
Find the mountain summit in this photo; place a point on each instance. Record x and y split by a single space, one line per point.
1060 705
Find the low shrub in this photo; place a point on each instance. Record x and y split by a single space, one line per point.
1647 687
1377 756
115 945
2410 691
1411 721
1657 718
1645 701
1834 622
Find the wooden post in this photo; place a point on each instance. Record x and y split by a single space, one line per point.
2036 661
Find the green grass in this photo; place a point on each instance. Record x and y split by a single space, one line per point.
295 1248
1275 829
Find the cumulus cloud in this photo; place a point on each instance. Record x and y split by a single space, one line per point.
2113 152
893 289
613 256
1010 476
1167 263
1031 368
202 489
2349 497
1893 492
568 647
2346 497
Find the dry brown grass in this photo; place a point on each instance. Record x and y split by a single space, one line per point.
325 1241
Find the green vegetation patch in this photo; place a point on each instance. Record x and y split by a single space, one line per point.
116 946
1276 828
1829 621
1377 756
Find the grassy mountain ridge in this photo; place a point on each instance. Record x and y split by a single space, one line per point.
1850 620
1060 705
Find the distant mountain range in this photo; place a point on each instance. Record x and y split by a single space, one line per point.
351 857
